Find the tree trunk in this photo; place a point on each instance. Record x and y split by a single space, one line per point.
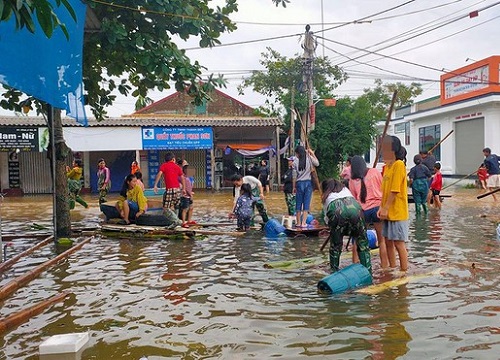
63 219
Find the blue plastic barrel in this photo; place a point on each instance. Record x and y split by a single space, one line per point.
349 278
309 219
273 229
372 238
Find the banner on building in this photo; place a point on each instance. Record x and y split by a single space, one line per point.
22 139
177 138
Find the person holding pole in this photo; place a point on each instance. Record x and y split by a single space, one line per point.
303 166
491 161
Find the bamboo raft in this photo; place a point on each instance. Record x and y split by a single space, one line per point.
160 233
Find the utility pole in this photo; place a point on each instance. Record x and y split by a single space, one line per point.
309 45
292 120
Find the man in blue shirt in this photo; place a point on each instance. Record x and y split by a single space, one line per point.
491 161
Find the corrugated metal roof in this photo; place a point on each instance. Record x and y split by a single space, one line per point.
174 120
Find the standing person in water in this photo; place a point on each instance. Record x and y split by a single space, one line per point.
345 217
394 207
419 176
74 175
288 187
103 180
243 210
264 175
366 187
303 165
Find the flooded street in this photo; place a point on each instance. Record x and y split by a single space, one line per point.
213 297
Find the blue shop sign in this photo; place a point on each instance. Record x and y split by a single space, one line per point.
177 138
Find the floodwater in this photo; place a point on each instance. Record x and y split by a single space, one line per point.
214 299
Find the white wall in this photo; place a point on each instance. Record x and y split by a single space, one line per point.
103 138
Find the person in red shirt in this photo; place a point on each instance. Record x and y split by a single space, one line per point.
436 186
172 173
482 174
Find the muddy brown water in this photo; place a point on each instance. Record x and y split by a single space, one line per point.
213 298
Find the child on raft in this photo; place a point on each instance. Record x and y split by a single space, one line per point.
243 210
344 216
132 203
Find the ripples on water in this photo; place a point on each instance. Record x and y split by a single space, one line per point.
213 298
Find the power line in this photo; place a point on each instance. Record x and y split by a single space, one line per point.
421 33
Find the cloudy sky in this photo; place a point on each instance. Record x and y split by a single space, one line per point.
418 38
409 40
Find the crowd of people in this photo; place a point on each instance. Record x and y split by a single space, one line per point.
363 196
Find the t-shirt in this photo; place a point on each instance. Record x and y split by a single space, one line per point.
254 184
419 171
171 171
394 181
75 173
491 163
373 184
305 174
437 182
136 195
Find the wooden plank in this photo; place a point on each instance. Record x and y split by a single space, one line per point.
308 262
379 288
157 230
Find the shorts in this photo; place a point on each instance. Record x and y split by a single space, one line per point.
493 181
395 230
371 215
435 192
171 198
263 181
186 203
133 209
303 195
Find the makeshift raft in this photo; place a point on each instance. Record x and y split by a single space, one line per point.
160 233
152 217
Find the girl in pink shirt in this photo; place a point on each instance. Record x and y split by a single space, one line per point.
366 187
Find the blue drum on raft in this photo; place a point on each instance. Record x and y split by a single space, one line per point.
274 229
349 278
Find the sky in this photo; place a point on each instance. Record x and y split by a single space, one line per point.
417 41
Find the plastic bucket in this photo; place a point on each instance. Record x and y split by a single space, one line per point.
273 229
372 238
349 278
309 219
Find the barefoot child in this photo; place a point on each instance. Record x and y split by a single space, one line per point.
482 174
394 208
345 217
244 208
186 204
436 186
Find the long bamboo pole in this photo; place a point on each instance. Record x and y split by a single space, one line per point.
12 286
6 265
18 318
387 121
314 174
488 193
455 182
439 143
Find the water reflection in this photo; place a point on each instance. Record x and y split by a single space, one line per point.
212 298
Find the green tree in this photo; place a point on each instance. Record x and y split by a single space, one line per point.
135 46
26 11
380 96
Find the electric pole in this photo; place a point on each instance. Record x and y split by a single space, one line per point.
309 45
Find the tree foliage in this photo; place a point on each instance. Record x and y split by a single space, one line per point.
283 74
26 11
380 96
